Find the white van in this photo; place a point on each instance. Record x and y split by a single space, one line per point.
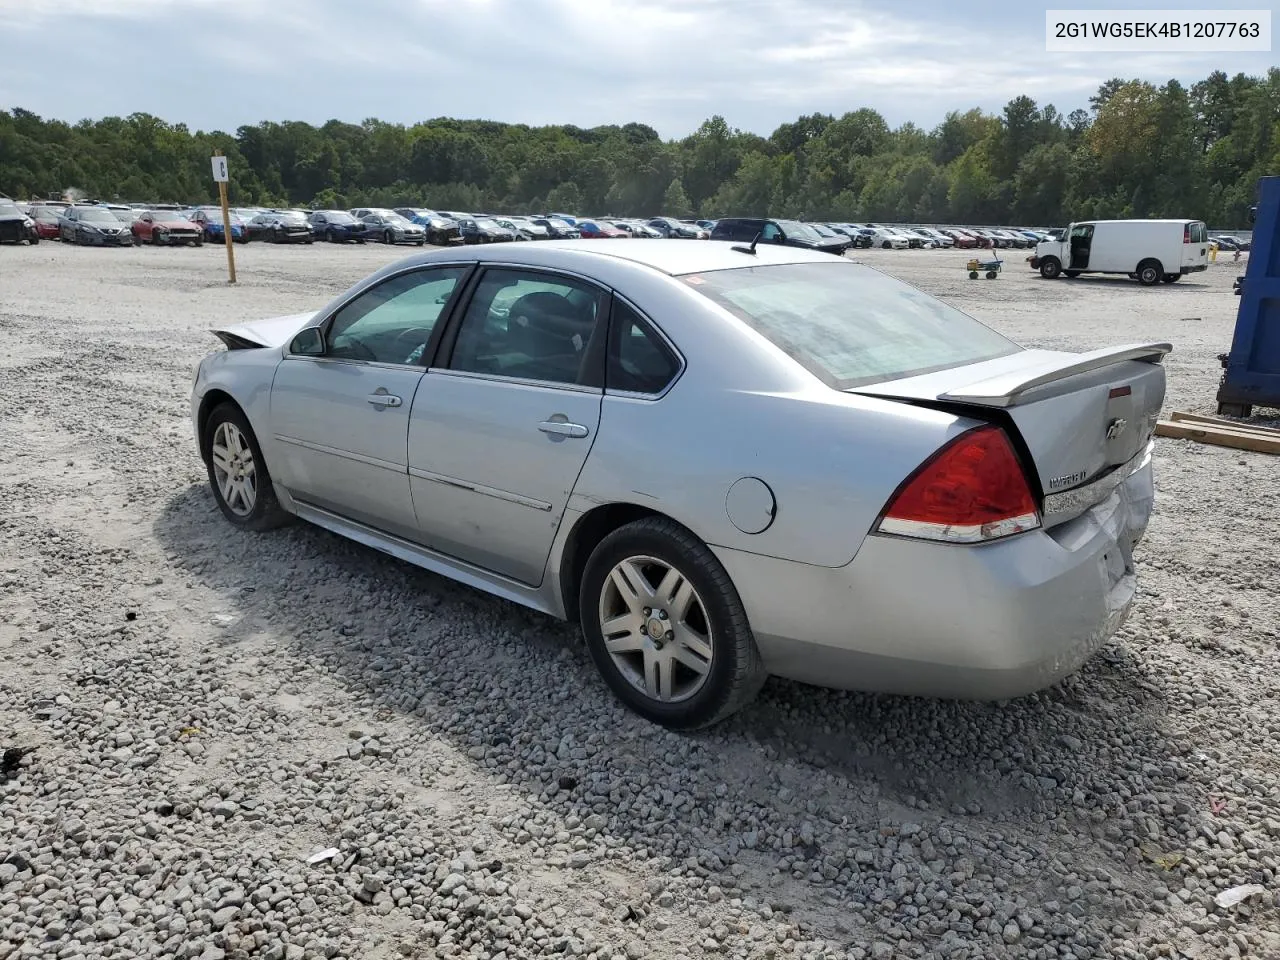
1149 251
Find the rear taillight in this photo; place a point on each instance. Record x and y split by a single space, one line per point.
971 491
1186 234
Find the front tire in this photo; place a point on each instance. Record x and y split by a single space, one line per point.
1150 272
666 627
1050 267
388 238
238 473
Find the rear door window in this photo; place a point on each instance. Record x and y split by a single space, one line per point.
850 325
531 326
639 359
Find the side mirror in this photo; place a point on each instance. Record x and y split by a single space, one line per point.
308 343
780 237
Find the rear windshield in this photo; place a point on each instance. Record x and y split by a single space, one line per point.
850 325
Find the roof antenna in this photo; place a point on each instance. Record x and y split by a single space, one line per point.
751 249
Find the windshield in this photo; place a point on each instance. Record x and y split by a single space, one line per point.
97 215
794 228
9 208
850 325
167 216
486 223
337 216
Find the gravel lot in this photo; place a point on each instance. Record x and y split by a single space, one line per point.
207 709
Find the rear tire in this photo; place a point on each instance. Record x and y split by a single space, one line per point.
388 238
887 245
238 473
1171 277
707 666
1050 267
1150 272
1071 274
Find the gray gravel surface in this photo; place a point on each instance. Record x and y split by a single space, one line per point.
206 709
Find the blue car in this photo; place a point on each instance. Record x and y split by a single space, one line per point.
210 221
441 230
337 226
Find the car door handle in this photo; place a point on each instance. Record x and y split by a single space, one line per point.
561 428
383 400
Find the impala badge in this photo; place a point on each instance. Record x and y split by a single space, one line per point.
1116 427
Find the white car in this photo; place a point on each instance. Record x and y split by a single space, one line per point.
939 238
889 239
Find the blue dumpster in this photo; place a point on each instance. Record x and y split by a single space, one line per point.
1252 369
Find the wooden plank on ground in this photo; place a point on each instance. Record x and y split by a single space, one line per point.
1225 423
1219 436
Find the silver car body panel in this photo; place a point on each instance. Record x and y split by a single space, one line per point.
829 602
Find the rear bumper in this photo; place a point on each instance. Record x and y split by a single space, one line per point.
982 622
1195 269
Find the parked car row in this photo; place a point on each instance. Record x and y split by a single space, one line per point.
100 223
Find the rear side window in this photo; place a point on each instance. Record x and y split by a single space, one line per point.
639 360
1198 233
850 325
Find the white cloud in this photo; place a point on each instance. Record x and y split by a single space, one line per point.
668 63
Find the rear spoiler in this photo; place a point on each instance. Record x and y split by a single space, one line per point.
1008 389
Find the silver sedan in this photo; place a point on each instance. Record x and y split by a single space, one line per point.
724 461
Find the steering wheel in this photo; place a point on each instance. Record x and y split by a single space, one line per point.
353 350
420 335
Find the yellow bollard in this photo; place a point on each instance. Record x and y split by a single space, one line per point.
1213 253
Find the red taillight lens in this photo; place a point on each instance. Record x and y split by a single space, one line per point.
970 491
1186 234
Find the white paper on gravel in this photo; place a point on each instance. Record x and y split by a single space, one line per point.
1229 898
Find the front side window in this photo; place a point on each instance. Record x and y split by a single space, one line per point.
850 325
529 325
1083 230
770 232
393 322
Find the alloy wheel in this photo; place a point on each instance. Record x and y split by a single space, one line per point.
655 628
234 470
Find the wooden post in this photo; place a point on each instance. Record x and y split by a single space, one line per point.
226 217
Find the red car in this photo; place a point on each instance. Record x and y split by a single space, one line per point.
964 241
47 220
597 230
166 227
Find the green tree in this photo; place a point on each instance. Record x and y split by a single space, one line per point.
674 202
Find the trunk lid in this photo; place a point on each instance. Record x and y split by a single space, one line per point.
1079 416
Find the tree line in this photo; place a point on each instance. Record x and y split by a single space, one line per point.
1139 150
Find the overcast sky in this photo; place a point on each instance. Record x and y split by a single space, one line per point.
217 64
